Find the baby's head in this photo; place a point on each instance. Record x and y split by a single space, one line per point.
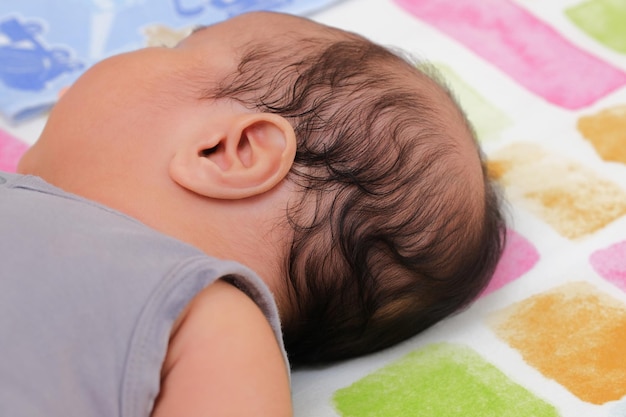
375 215
398 225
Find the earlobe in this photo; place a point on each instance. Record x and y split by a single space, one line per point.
249 157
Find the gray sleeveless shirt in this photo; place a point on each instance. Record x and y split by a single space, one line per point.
87 300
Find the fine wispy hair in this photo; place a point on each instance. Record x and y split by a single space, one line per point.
392 233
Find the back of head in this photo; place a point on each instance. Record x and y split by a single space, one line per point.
397 225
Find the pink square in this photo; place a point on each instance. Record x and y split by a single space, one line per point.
519 257
610 263
523 46
11 150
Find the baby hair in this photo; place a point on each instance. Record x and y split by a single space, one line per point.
392 231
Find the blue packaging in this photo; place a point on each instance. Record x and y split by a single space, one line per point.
46 45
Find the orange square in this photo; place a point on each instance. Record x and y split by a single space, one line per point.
568 196
573 334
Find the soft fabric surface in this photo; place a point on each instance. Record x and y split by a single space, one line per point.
545 85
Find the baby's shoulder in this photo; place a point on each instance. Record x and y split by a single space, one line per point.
223 359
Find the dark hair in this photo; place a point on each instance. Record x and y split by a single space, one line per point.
400 235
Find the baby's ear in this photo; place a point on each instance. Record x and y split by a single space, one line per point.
248 158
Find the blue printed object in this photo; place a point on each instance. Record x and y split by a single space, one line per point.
45 46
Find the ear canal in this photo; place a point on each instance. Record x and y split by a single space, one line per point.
207 152
216 154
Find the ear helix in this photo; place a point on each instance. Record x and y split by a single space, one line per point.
250 158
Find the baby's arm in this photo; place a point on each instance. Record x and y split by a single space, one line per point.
223 360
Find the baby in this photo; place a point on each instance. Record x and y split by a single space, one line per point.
347 179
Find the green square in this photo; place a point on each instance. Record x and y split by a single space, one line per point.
441 380
603 20
488 121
